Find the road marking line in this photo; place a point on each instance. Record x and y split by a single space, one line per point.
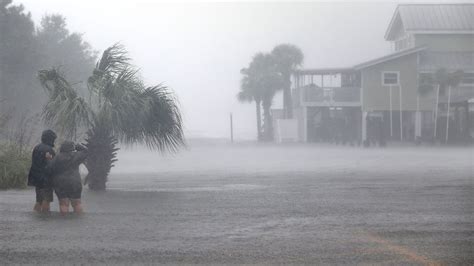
403 251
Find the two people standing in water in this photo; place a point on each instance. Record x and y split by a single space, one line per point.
59 173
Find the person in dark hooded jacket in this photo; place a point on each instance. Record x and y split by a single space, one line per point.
38 176
64 169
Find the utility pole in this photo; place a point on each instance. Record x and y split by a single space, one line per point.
231 129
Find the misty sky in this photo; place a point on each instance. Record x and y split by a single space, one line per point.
198 49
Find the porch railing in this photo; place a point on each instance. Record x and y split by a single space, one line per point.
331 94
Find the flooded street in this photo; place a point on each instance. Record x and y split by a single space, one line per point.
267 204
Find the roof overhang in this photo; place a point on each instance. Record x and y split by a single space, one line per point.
440 31
324 71
389 57
395 17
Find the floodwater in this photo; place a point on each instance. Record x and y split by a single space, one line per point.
266 204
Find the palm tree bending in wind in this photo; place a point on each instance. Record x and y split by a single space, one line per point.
287 57
268 82
122 109
260 83
249 92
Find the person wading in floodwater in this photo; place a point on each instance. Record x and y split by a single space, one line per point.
38 176
64 170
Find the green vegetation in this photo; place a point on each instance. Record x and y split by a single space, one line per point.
14 166
260 83
267 74
15 150
25 48
121 108
287 57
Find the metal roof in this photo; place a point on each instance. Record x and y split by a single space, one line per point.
433 18
376 61
389 57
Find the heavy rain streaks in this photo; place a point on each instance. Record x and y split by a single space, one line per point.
215 133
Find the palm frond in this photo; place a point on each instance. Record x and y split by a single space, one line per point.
113 62
288 57
162 127
64 110
154 119
114 59
243 96
248 92
133 112
125 84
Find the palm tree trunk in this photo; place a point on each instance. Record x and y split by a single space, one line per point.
267 122
417 119
259 120
447 113
101 145
436 112
287 102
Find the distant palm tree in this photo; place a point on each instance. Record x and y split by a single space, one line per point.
122 109
288 57
249 92
260 83
268 81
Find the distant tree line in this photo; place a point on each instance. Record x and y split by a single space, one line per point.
25 48
265 75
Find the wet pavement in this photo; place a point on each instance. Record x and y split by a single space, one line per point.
264 205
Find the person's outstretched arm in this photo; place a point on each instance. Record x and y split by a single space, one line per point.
81 154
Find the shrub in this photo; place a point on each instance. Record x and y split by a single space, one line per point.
14 166
15 143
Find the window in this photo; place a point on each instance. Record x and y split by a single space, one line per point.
390 78
400 44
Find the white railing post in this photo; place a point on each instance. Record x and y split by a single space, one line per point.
447 113
401 114
391 119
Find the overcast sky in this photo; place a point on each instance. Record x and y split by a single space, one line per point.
198 49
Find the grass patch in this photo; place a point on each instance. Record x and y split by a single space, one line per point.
14 167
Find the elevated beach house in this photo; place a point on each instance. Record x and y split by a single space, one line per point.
380 100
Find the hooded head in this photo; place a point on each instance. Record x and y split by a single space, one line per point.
48 137
67 146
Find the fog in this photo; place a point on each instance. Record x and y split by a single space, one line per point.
198 49
204 164
254 159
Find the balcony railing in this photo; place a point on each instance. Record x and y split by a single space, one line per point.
330 94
